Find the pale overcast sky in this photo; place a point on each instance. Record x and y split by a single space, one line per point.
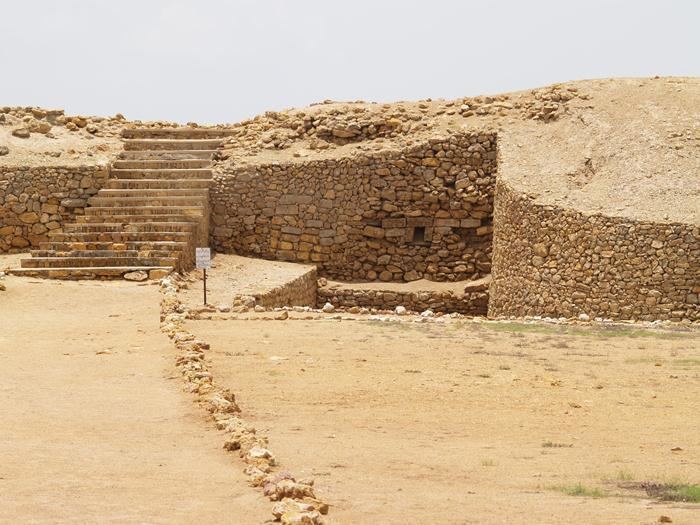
223 61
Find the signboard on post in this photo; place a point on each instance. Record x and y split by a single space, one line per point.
203 257
203 261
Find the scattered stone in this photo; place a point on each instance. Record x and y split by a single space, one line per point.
22 133
584 317
136 276
157 274
4 150
400 310
328 308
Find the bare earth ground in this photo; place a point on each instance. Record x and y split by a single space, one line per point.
95 427
470 422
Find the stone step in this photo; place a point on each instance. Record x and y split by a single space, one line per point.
120 236
171 144
154 272
161 164
105 253
101 262
174 201
176 133
167 155
133 227
197 174
133 219
138 246
191 211
153 193
158 184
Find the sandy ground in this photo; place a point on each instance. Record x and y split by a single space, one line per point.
468 422
95 427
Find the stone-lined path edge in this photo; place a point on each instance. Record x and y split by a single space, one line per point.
295 500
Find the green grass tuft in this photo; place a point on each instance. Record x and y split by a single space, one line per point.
581 490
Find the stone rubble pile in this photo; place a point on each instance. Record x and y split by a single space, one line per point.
27 120
296 502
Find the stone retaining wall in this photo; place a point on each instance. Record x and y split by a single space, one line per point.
37 200
551 261
300 291
471 303
423 212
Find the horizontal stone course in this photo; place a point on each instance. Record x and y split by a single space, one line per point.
469 303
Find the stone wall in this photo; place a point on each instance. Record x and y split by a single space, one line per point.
37 200
470 303
423 212
299 291
555 262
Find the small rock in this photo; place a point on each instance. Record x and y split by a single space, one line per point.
2 287
281 316
584 317
328 308
400 310
136 276
427 313
665 519
261 453
22 133
158 274
4 150
259 308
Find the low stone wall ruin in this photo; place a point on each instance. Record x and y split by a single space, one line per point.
423 212
37 200
300 291
551 261
470 303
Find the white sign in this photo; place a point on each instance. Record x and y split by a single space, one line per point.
203 257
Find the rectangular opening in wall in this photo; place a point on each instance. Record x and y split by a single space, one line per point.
418 234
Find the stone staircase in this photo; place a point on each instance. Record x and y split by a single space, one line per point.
150 216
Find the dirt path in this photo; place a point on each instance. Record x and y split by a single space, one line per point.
463 423
95 427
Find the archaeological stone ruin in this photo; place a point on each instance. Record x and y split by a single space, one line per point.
555 202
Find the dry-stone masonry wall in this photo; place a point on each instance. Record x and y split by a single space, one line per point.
469 303
423 212
37 200
557 262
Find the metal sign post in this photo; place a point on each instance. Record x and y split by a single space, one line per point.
203 258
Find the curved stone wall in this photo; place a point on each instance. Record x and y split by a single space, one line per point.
35 200
422 212
550 261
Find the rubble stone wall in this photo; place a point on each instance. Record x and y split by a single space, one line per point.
470 303
37 200
423 212
555 262
300 291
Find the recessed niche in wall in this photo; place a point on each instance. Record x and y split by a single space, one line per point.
418 234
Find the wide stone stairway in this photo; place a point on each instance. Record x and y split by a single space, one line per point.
150 216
